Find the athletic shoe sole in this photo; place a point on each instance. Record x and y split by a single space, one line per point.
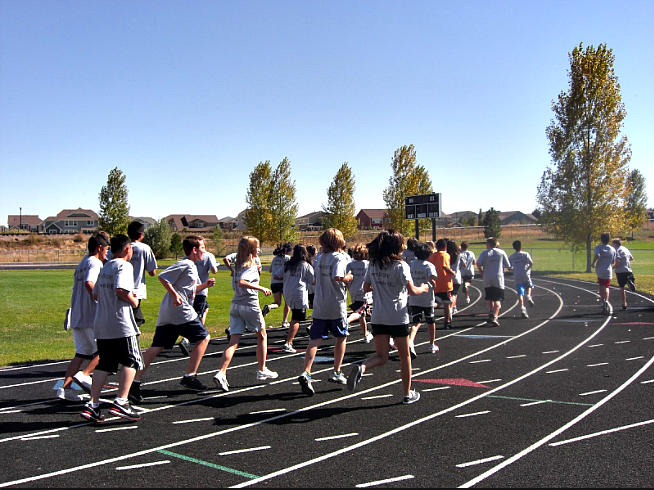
124 414
92 417
221 383
354 378
412 398
184 347
82 384
305 384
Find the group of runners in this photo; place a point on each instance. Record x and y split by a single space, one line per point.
397 283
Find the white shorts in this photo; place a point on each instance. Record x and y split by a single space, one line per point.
85 345
245 316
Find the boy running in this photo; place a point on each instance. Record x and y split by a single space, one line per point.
358 267
623 270
521 263
603 261
468 261
421 307
491 264
444 280
142 261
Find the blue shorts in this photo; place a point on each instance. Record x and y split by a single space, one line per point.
522 288
166 335
320 329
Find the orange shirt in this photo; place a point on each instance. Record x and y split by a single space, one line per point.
444 283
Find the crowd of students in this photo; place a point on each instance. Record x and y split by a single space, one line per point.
399 285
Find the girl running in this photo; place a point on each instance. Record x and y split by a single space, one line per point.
277 285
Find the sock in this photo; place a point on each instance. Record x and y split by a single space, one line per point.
120 401
189 375
95 404
136 382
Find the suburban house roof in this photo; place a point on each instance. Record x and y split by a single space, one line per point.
75 213
517 216
31 220
197 222
374 213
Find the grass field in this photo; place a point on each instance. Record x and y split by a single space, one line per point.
34 301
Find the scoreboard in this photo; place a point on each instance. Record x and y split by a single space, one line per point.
422 207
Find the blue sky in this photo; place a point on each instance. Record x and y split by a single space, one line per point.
186 97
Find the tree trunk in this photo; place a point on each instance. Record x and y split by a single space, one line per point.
588 254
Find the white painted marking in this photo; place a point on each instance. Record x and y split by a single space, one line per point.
331 438
54 436
436 389
647 382
479 461
535 403
132 427
593 392
375 397
206 419
556 371
623 342
648 338
154 397
596 345
367 374
516 357
249 450
383 482
275 410
598 364
489 381
10 411
137 466
604 432
551 352
472 414
635 358
477 362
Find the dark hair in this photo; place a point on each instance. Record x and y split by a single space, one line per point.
118 243
191 242
95 241
300 254
517 245
441 244
311 249
492 241
411 244
422 251
453 251
283 249
464 246
605 237
135 229
386 248
359 252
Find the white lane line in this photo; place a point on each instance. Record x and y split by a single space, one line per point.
147 398
54 436
274 410
648 338
551 352
138 466
635 358
479 461
206 419
50 380
477 362
535 403
556 371
596 345
331 438
647 382
9 411
436 389
376 397
489 381
593 392
367 374
516 357
472 414
383 482
116 429
604 432
598 364
249 450
623 342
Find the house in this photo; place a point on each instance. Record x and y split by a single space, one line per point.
460 218
30 223
72 221
650 214
146 222
517 218
310 222
228 223
192 222
372 218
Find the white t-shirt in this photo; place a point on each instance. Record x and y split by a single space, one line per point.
494 261
467 263
421 273
142 261
607 256
183 276
521 263
205 266
389 292
114 317
331 296
277 263
246 296
82 304
358 268
296 292
625 257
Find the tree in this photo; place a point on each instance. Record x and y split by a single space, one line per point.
408 179
176 245
492 224
114 208
257 215
218 236
636 202
480 217
340 211
158 236
282 205
582 193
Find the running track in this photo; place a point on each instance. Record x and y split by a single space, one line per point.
562 399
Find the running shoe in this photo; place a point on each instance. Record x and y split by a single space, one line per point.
288 349
337 378
412 351
368 338
268 308
193 383
84 382
305 384
221 381
448 326
530 301
135 393
69 395
92 414
624 307
413 397
467 301
631 284
494 322
524 313
266 374
454 311
124 412
490 318
229 335
355 377
434 349
185 347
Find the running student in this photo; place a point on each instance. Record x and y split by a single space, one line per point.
360 299
521 263
329 307
281 256
468 261
143 260
389 279
603 261
231 259
454 252
116 332
296 274
421 307
178 318
245 311
623 270
444 283
409 253
82 316
311 250
491 264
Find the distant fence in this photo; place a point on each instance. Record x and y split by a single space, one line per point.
41 256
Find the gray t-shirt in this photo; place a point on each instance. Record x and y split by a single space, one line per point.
607 256
408 256
494 261
183 276
467 263
421 273
330 302
625 257
389 292
205 266
521 263
246 296
277 263
114 317
358 268
143 261
296 293
82 304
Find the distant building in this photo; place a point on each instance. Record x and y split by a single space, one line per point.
650 214
29 223
517 218
147 222
310 222
372 218
192 222
228 223
72 221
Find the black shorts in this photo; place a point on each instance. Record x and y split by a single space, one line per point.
623 278
356 306
395 331
311 296
445 297
166 335
420 314
467 279
278 287
138 315
200 305
455 288
494 294
298 315
125 351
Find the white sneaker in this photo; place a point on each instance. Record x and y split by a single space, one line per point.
266 374
288 349
221 381
524 312
412 351
368 338
391 344
69 395
467 301
286 324
338 378
413 397
84 382
530 301
454 311
434 349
